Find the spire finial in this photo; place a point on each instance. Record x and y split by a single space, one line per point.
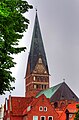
63 79
36 9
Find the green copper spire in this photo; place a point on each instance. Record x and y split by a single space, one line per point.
37 48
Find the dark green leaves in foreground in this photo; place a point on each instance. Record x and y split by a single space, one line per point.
77 114
12 26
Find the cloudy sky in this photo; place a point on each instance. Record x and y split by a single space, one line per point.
59 23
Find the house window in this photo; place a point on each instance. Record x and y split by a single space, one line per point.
45 109
50 118
36 86
35 117
42 118
40 108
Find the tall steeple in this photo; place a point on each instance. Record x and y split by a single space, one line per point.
37 73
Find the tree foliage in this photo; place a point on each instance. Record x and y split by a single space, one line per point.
77 114
12 26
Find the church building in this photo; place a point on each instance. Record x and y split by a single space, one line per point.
41 102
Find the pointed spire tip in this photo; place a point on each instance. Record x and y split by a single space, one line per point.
63 79
36 9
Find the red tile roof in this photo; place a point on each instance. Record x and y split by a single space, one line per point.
19 104
71 108
33 103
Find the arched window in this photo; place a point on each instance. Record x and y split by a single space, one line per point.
42 118
40 108
45 109
50 118
34 78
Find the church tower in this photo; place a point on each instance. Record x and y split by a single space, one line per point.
37 73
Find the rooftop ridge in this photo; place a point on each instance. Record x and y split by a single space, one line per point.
52 89
59 92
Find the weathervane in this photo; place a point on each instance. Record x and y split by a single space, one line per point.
63 79
36 9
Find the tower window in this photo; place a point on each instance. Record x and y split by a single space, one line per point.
40 60
42 78
34 78
34 86
43 86
37 86
38 78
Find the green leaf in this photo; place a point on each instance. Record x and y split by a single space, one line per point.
12 26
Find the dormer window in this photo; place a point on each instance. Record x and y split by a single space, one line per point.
28 108
45 71
70 115
40 60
